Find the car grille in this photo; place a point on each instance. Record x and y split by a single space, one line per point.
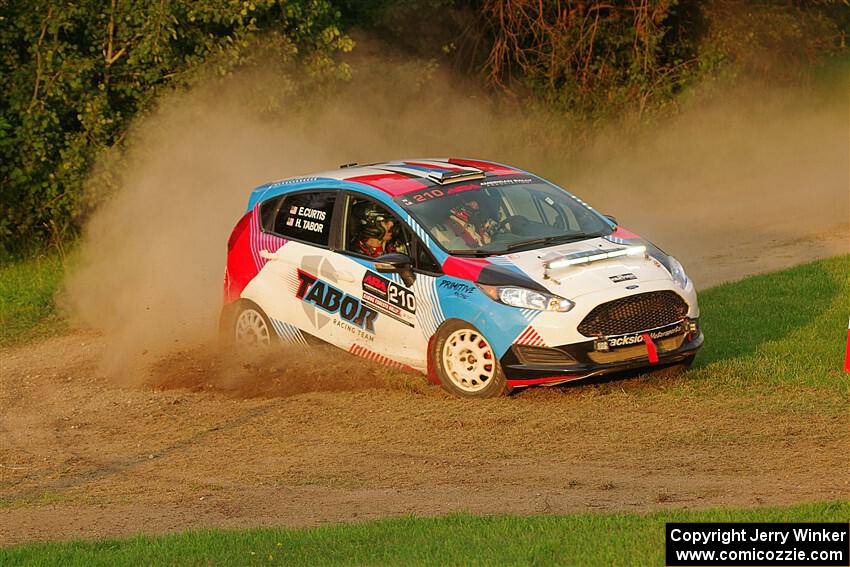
637 351
634 314
540 355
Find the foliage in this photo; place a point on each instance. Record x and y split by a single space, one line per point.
592 57
774 41
595 58
74 74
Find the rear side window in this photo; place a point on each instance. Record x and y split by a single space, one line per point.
267 213
306 217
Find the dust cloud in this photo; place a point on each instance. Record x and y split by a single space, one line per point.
278 373
729 179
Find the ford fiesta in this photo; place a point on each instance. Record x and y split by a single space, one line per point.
480 275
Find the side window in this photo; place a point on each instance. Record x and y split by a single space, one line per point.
572 221
522 203
424 260
267 212
372 230
306 217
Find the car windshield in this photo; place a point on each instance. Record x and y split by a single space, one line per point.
503 214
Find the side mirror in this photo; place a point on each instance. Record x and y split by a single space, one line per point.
400 264
612 219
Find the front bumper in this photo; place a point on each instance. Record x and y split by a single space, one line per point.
525 367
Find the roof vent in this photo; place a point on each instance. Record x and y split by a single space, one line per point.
444 177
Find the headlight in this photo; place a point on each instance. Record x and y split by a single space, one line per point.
678 272
526 298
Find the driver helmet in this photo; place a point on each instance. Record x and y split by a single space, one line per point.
367 218
466 211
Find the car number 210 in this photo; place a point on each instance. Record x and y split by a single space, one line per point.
401 297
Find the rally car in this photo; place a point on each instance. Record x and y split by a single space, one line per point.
482 276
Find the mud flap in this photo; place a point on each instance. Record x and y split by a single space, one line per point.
651 351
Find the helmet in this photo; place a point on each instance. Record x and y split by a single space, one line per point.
466 212
366 219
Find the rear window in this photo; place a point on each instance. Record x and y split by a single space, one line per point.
306 217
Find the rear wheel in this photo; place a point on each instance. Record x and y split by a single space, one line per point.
251 327
466 363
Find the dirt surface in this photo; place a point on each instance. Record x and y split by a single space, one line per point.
209 441
85 459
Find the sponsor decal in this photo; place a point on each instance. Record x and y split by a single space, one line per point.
306 218
314 291
497 182
309 213
348 327
462 188
421 196
375 284
457 289
430 193
628 340
291 181
389 298
622 277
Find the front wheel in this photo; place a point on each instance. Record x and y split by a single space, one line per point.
466 363
251 327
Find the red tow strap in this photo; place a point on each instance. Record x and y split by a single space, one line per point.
847 354
651 351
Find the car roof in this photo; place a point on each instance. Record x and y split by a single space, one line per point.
403 176
392 178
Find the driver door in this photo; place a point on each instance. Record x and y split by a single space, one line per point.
396 330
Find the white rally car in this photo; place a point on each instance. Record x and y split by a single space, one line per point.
480 275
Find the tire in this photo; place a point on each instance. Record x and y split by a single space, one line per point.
466 363
251 328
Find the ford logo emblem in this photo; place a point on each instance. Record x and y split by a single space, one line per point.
633 286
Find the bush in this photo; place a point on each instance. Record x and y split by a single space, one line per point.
75 74
595 59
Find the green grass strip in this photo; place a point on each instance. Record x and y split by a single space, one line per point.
786 328
457 539
27 306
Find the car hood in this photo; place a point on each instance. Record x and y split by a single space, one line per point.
597 274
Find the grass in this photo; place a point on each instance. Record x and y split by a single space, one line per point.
457 539
27 307
784 329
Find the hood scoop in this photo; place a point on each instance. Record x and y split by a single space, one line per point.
555 262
